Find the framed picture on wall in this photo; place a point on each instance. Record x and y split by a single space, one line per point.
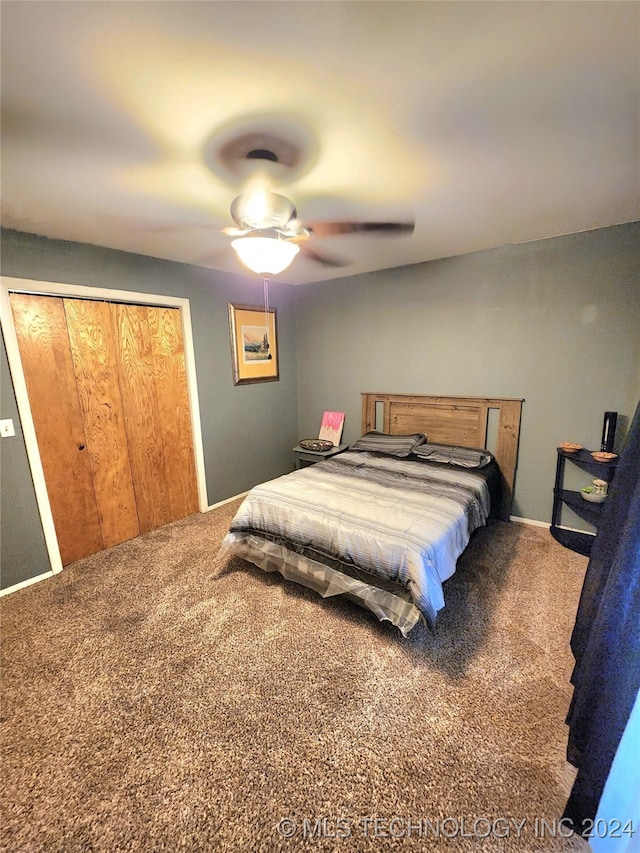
254 344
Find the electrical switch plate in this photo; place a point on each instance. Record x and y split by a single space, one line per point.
6 428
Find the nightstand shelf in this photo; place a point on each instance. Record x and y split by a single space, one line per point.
310 457
577 540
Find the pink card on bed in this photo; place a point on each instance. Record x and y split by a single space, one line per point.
331 427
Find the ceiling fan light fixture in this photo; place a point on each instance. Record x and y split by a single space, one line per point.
265 254
262 209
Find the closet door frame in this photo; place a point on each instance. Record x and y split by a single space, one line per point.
48 288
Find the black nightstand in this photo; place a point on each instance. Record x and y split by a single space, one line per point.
590 512
310 457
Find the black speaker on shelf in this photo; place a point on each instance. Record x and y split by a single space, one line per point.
608 431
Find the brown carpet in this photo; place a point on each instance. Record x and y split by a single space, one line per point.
155 700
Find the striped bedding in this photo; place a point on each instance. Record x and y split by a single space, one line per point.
366 517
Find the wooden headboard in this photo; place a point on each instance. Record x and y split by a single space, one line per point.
462 421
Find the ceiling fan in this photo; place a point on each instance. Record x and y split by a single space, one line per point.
268 234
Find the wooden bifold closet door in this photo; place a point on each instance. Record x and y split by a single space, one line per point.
108 393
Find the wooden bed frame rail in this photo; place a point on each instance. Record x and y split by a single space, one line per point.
461 421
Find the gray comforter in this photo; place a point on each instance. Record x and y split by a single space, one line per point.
405 521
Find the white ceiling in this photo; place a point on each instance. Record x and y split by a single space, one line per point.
489 122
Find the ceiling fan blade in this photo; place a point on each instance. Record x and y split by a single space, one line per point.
235 232
325 229
325 260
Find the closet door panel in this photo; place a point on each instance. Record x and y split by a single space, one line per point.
45 353
93 339
165 327
142 416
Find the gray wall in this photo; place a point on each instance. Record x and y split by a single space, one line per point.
248 431
23 552
556 322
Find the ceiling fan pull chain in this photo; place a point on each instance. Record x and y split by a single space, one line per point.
265 285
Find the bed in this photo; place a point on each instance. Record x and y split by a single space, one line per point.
385 522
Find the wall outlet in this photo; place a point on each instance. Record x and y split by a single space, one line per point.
7 428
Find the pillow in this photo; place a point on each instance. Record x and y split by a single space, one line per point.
463 457
393 445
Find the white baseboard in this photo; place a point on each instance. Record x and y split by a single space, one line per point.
547 524
575 530
227 501
28 582
531 521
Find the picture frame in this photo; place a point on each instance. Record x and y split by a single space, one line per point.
254 344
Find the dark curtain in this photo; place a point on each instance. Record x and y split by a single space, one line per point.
606 639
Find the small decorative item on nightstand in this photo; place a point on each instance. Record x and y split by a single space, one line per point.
600 486
609 431
317 444
603 456
595 493
570 447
